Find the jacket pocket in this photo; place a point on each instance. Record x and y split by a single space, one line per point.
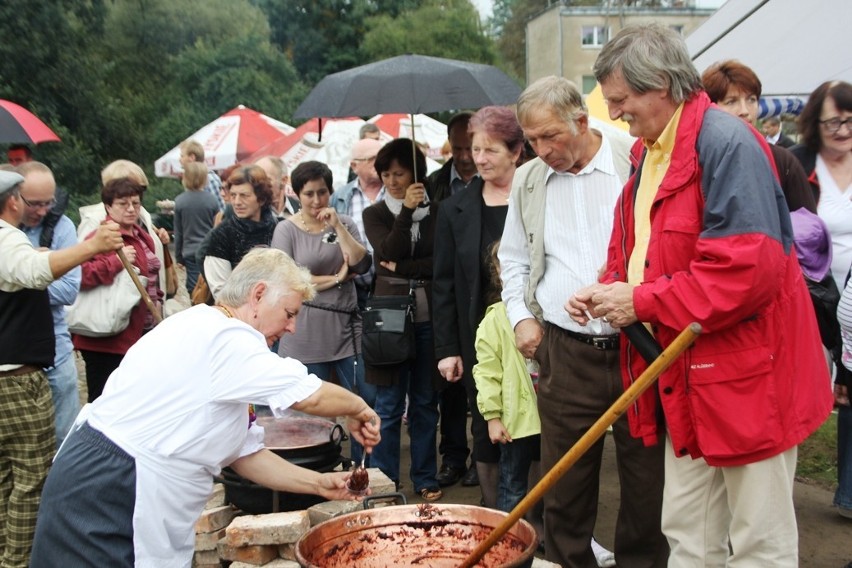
677 243
734 404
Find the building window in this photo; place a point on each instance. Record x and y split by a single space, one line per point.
594 36
589 84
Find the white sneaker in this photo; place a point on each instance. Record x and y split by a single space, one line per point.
604 557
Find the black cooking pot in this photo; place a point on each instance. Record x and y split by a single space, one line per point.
313 443
306 441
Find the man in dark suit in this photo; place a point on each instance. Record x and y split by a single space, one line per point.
459 170
772 131
456 174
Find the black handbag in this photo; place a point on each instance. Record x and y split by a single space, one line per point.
388 332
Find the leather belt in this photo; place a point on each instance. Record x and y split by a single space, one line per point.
22 370
601 342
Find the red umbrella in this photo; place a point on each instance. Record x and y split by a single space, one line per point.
20 126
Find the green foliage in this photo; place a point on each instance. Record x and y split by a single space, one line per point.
453 31
818 456
512 42
132 78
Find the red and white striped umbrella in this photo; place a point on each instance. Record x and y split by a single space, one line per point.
229 139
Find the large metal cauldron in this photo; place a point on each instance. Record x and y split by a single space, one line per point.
428 535
301 439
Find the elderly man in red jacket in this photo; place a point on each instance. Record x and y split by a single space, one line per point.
702 233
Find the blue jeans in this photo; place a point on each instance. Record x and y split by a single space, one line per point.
346 370
66 397
843 496
415 380
191 265
515 460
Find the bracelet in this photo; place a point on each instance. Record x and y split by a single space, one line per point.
337 281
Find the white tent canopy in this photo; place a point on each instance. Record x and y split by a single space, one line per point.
793 46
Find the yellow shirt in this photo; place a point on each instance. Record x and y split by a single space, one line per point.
653 171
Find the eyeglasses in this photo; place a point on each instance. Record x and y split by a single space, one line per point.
833 125
127 204
39 204
369 159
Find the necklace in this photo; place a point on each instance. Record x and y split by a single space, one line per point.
225 311
305 225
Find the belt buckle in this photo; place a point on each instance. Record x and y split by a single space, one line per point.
601 343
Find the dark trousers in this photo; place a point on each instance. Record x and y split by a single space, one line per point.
577 384
86 514
99 366
453 445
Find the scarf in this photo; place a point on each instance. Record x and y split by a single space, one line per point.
395 206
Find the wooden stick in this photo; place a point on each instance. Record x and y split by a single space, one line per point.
139 286
686 338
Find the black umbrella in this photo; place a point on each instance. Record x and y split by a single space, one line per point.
408 84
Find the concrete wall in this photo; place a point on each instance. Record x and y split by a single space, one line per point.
554 36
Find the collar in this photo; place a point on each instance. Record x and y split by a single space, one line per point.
667 138
454 175
602 161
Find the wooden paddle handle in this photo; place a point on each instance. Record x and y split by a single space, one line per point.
686 338
139 286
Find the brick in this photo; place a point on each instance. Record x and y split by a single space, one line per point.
380 483
275 528
217 497
329 509
207 541
254 554
287 551
277 563
206 557
212 520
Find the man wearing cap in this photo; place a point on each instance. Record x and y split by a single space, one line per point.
357 195
26 347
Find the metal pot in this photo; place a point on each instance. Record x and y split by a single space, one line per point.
306 441
438 536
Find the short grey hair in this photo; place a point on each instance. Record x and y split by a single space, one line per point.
559 94
650 57
271 266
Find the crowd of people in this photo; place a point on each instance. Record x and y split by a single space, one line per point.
521 259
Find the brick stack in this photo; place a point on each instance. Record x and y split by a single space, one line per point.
210 528
264 540
261 540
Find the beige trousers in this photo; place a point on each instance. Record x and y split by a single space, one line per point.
740 517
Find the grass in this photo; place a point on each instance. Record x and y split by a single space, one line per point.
818 456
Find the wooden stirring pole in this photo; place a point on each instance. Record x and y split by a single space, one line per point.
139 286
686 338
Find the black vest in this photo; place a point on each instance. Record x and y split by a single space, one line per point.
26 328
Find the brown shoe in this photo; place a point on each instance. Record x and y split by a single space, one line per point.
428 494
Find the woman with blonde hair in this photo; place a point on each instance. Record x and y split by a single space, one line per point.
129 484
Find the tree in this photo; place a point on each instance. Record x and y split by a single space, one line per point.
453 31
512 42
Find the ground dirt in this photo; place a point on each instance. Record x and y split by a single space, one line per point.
825 538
